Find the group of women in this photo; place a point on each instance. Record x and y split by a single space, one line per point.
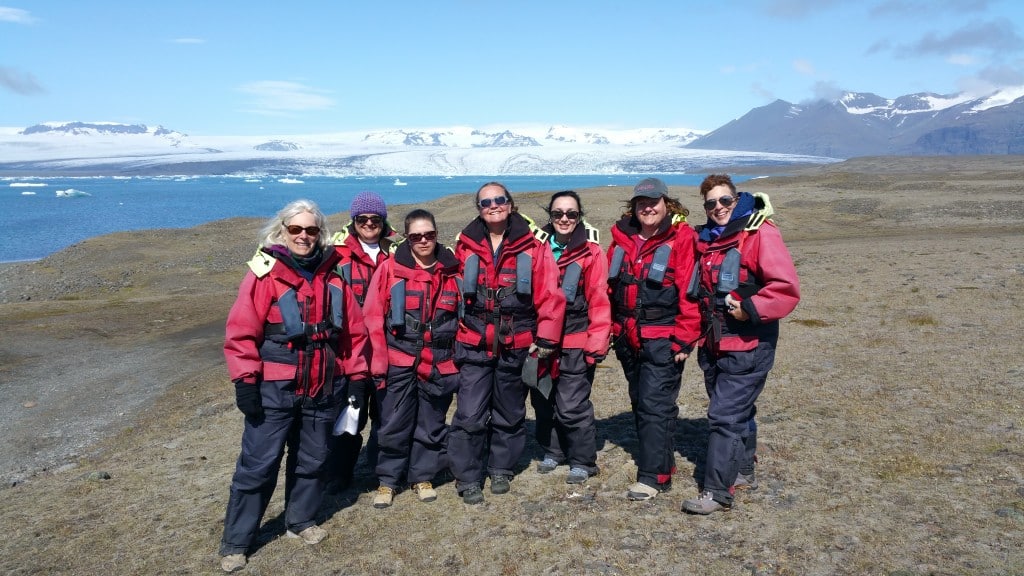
515 310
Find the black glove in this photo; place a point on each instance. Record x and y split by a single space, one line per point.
248 400
357 392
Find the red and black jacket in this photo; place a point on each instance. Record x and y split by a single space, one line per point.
356 266
284 327
423 336
768 285
588 314
496 314
643 309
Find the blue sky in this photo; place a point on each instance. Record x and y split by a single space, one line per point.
225 67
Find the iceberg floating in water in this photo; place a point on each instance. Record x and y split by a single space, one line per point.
28 193
289 181
71 193
27 184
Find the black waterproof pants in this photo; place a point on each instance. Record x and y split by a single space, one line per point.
566 429
413 433
654 380
490 403
301 425
733 381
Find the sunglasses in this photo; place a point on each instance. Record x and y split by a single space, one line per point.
417 237
498 201
296 230
725 201
558 214
375 220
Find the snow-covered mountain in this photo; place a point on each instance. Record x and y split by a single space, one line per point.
93 148
864 124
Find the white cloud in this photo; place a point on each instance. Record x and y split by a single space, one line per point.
961 59
804 67
16 15
276 97
188 41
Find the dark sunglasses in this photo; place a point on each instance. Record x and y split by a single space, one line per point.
558 214
725 201
296 230
417 237
375 220
499 201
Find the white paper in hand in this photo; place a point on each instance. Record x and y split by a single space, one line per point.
348 421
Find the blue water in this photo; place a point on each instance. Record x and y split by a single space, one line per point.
36 225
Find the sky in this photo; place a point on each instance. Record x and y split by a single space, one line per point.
255 67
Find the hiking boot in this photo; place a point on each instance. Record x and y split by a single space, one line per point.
473 495
640 491
704 504
500 484
383 497
745 482
232 562
425 491
312 535
548 464
577 476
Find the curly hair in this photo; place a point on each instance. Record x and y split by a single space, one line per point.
714 180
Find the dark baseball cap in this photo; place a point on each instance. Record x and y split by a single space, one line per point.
650 188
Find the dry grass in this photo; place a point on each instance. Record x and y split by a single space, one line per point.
891 426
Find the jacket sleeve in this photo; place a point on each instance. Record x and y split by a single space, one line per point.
684 256
548 297
774 269
616 327
599 312
374 309
244 329
354 343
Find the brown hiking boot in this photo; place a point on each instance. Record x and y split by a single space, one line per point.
312 535
704 504
383 497
425 491
232 562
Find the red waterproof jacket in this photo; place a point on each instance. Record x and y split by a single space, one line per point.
424 335
768 285
588 314
643 309
495 314
284 327
356 266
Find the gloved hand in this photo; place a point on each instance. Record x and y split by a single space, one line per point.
248 400
541 350
357 392
594 358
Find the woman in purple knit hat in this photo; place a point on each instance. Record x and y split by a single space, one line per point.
363 244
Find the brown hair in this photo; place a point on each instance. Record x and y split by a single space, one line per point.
716 180
672 207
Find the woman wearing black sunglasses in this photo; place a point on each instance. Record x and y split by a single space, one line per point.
566 430
513 307
293 334
414 297
745 282
655 325
363 244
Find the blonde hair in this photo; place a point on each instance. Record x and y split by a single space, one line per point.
273 231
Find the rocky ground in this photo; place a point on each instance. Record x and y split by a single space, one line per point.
891 426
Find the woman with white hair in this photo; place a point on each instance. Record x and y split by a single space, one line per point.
295 342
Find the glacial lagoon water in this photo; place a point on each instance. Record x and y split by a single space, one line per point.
40 216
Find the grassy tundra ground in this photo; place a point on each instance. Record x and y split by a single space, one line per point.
892 425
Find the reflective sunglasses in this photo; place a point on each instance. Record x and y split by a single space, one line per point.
725 201
375 220
499 201
296 230
417 237
558 214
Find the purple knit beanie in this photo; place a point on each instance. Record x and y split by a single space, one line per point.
368 203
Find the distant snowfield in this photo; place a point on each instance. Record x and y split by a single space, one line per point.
447 152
